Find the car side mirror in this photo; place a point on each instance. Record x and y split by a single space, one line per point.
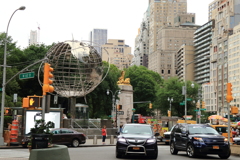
156 134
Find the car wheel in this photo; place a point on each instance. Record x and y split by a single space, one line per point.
75 143
118 155
225 156
173 150
190 151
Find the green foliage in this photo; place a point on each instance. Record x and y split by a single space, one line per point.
41 127
145 85
7 119
172 88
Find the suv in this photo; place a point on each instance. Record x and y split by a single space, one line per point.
198 139
137 139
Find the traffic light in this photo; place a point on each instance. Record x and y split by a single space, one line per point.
203 104
150 105
198 104
25 102
34 101
169 113
234 110
46 79
229 97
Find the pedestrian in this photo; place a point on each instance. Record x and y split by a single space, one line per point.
121 128
104 134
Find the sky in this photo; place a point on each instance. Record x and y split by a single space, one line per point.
61 20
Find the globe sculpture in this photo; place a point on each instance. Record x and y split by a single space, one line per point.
78 68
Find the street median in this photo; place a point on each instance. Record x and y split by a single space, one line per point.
57 152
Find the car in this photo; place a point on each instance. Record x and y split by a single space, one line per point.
62 136
137 140
198 139
166 136
236 140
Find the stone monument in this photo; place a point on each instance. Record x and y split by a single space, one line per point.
126 100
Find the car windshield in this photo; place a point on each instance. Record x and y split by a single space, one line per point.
131 129
202 130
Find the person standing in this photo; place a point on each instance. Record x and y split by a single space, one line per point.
104 134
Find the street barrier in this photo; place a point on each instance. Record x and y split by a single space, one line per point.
112 139
14 133
95 139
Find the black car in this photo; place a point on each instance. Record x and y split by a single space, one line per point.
63 136
198 139
137 139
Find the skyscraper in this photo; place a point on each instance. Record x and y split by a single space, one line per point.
33 38
98 37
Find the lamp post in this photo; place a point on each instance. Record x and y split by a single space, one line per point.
114 102
4 77
170 100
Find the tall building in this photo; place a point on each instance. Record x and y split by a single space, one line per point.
98 37
33 38
170 39
162 13
226 16
234 65
185 55
142 42
116 52
202 42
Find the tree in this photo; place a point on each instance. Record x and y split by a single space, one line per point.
145 85
172 88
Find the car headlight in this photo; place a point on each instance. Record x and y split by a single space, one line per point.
151 140
198 139
225 140
122 140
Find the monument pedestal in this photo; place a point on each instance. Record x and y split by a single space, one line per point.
126 100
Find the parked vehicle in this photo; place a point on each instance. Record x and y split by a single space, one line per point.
236 140
198 139
137 139
63 136
223 130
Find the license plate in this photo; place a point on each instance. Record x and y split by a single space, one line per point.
215 147
136 148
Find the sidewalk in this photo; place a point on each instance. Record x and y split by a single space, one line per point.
89 143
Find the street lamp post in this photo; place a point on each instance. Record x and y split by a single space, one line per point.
185 89
170 100
114 101
4 77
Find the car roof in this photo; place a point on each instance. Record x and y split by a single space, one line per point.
187 124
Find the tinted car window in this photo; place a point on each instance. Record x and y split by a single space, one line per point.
222 129
202 130
137 130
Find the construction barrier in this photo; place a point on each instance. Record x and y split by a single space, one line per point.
14 132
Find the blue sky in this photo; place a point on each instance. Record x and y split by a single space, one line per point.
59 20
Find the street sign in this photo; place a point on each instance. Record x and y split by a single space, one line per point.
26 75
120 112
189 99
196 110
203 109
0 89
182 103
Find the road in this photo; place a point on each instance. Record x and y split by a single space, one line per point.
102 153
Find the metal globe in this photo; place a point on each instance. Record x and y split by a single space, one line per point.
78 68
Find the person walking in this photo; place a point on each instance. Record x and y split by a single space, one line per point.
104 134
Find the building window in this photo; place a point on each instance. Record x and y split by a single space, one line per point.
162 71
168 71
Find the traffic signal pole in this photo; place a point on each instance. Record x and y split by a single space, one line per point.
229 98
